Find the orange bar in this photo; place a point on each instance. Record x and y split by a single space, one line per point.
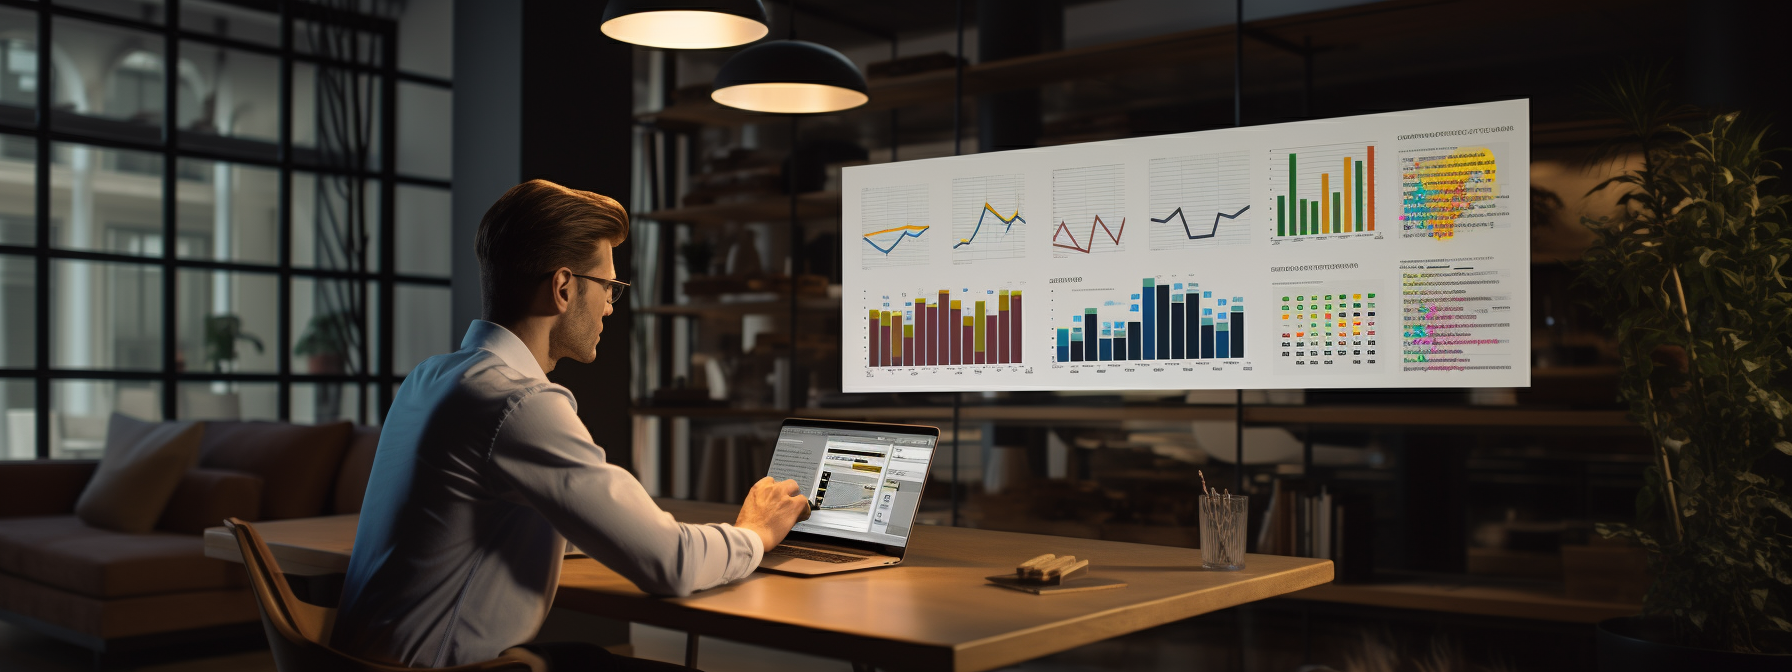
1325 202
1370 178
1345 215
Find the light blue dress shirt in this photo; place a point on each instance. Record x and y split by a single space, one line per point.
482 467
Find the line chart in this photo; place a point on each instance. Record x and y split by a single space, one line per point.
1064 233
1192 186
1177 215
905 232
1090 194
890 216
979 230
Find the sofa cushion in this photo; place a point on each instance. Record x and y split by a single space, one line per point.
296 463
142 466
207 496
357 465
43 487
125 616
62 552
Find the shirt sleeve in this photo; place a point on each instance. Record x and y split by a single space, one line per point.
543 452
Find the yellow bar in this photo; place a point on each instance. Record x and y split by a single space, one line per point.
908 331
1345 215
955 304
1325 202
977 330
875 314
1002 301
883 318
1015 292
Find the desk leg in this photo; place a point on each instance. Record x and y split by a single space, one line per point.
690 649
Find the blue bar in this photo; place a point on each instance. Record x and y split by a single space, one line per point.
1063 345
1163 327
1219 345
1089 345
1177 323
1135 342
1207 335
1149 295
1107 349
1237 327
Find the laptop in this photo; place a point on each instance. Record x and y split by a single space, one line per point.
863 481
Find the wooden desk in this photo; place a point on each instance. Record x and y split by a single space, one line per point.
934 612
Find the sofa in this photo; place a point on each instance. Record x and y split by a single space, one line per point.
114 592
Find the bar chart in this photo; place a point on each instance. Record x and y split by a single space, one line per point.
1323 190
1088 211
945 329
1328 328
1200 201
987 222
1161 320
894 226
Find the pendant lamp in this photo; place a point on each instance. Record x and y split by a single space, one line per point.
686 24
790 77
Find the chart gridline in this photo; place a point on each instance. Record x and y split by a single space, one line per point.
1088 210
1200 201
987 221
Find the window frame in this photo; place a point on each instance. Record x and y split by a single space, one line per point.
383 280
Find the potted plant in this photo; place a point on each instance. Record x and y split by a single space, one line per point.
221 335
325 343
1692 277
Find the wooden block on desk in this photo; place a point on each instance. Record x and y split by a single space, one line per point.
1078 586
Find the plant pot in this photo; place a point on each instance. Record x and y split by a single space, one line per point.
324 364
1627 645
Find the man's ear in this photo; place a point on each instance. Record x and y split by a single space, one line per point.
560 292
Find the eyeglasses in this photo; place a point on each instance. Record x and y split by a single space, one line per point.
615 287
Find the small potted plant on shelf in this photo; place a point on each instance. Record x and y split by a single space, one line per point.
221 335
1693 278
324 343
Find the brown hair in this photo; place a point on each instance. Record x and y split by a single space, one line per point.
536 228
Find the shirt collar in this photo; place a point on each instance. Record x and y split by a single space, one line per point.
494 337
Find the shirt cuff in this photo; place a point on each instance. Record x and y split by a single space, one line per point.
754 543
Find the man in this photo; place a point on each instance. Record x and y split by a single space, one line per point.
484 472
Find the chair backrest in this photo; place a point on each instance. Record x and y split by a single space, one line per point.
297 631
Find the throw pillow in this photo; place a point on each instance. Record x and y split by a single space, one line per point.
206 497
142 465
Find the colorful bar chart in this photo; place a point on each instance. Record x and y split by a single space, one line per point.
966 328
1345 199
1164 320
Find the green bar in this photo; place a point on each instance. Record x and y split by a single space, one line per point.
1315 206
1359 195
1337 207
977 329
1281 215
1292 191
1303 216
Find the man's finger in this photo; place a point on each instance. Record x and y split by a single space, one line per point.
806 511
788 486
763 481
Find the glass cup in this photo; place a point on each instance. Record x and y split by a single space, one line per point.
1222 531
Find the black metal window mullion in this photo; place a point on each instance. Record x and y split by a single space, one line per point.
170 209
41 260
388 211
283 339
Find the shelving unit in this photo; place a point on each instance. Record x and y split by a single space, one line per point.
1419 438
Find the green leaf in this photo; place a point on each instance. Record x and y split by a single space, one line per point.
1783 446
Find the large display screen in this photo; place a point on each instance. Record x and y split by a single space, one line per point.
1387 250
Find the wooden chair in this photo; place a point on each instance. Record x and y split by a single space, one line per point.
297 631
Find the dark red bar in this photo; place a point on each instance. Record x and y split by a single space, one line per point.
961 348
1015 328
943 329
1001 350
920 336
874 340
965 351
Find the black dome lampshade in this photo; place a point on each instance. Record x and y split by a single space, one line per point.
790 77
686 24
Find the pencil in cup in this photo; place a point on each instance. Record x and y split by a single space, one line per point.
1223 518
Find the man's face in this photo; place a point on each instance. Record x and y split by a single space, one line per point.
576 333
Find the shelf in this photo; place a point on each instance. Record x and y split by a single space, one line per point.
1542 602
718 309
772 208
1415 416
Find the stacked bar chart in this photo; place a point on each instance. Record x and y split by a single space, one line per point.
1164 320
1323 190
947 329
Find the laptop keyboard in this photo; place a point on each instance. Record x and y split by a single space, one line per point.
812 554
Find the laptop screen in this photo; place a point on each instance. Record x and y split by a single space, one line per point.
862 484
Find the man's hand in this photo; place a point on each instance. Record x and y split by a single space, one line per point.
771 508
